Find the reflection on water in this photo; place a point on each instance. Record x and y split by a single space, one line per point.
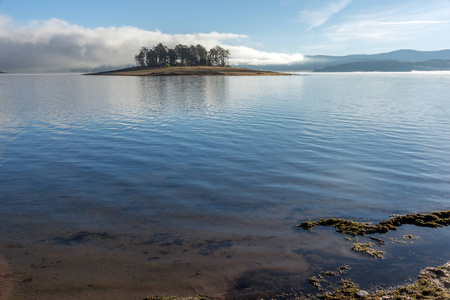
186 184
172 94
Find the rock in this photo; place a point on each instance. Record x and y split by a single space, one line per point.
362 293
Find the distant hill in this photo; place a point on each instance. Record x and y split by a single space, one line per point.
313 62
413 55
389 66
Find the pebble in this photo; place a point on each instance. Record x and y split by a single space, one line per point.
362 293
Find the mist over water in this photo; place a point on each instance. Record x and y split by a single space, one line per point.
146 185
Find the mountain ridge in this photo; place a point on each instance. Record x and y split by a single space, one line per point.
389 66
314 62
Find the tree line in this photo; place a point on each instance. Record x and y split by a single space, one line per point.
182 55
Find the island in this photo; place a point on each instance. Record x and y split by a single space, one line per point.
189 71
183 60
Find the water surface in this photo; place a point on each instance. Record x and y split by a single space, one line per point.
113 186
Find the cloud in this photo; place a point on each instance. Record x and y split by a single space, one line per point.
247 56
318 17
401 26
5 21
56 45
412 25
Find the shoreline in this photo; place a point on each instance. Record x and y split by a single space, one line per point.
189 71
431 283
324 283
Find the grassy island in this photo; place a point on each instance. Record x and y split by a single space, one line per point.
183 60
188 71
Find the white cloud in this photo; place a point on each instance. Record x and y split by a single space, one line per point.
412 26
56 45
5 22
385 29
319 16
244 55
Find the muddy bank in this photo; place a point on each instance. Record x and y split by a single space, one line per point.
6 280
137 262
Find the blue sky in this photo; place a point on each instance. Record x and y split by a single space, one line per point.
258 32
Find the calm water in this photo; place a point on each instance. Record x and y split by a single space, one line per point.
183 184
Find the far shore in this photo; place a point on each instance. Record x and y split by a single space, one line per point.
189 71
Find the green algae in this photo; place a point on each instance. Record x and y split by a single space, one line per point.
367 249
433 220
355 229
319 280
196 297
347 290
410 237
162 298
432 283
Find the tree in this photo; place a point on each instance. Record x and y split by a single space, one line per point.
151 58
182 53
225 55
202 55
192 56
140 58
161 55
219 56
213 56
172 54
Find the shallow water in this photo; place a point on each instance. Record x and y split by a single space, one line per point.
113 186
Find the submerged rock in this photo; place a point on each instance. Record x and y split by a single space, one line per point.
362 293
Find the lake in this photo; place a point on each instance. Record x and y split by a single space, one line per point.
126 187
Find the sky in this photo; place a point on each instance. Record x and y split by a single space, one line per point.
60 35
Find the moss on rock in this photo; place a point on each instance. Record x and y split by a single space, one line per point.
434 220
433 283
367 249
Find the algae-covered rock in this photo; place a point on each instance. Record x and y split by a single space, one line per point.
432 284
367 249
434 220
